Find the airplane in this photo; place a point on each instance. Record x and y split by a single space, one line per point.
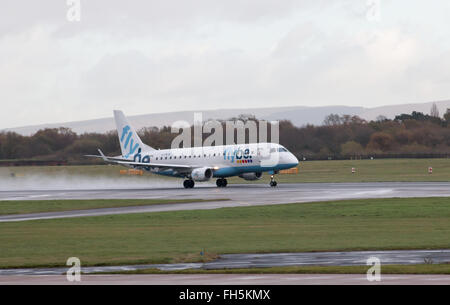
199 164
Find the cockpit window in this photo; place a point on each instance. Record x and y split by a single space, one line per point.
279 149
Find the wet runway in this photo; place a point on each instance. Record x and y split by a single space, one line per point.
233 261
228 279
238 195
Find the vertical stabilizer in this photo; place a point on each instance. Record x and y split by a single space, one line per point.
130 143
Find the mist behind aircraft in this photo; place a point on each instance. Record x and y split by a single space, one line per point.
64 180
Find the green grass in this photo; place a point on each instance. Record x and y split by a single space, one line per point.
385 269
382 170
310 171
371 224
40 206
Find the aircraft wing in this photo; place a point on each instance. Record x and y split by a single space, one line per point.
155 166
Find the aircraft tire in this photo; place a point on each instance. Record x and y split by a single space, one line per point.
188 184
221 182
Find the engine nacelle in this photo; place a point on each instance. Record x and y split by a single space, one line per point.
251 176
202 174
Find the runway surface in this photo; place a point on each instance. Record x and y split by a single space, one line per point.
228 279
238 195
233 261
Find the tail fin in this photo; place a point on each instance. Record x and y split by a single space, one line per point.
130 143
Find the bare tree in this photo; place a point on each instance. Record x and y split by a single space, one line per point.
381 118
332 120
434 112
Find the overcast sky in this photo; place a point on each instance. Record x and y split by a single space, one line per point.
157 56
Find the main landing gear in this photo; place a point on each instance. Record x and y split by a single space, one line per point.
221 182
273 183
188 184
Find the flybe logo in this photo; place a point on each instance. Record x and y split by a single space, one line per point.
129 142
240 156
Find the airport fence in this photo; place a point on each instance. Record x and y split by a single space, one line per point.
313 157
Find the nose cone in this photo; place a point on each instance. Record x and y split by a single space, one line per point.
293 159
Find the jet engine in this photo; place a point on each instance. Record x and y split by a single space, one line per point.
251 176
202 174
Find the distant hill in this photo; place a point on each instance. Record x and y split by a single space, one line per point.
391 111
299 115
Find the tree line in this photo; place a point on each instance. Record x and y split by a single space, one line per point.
340 136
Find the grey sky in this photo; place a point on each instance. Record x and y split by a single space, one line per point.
157 56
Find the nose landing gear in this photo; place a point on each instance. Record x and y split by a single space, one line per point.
221 182
273 183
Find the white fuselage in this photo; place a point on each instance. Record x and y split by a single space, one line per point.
226 161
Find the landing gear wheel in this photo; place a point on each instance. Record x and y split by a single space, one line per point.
273 183
188 184
221 182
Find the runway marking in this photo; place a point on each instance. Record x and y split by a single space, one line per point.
439 279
